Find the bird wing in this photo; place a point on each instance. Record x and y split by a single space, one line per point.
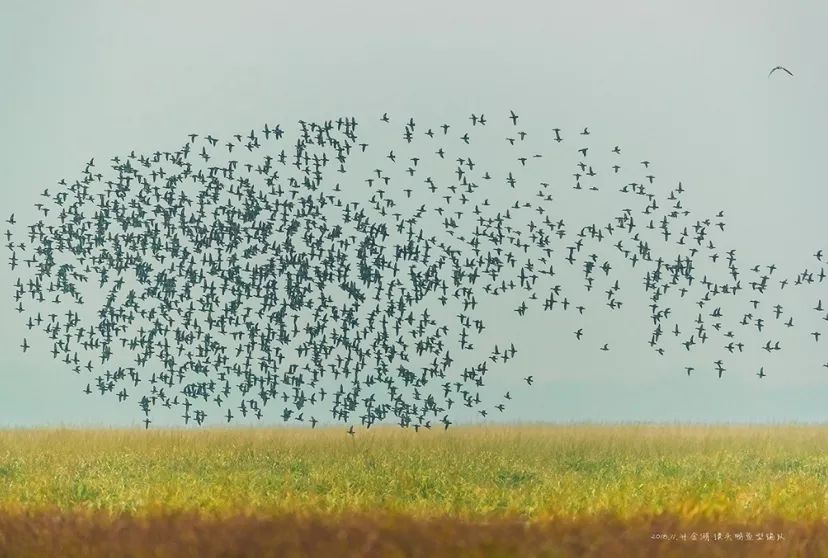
780 68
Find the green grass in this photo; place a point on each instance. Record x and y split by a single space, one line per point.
738 473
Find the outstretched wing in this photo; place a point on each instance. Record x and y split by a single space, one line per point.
780 68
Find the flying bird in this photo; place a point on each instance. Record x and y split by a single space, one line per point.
779 68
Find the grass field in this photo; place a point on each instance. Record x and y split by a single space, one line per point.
576 490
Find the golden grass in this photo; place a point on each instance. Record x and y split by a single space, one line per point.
534 472
562 483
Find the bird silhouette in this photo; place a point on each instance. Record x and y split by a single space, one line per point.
784 69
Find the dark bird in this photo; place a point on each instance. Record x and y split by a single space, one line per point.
775 68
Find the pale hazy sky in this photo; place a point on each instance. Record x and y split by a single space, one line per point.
683 84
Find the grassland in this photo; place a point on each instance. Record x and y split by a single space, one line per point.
474 491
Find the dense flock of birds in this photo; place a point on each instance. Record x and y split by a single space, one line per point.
265 272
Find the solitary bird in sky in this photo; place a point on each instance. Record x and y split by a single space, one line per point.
780 68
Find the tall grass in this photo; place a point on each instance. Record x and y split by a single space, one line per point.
734 473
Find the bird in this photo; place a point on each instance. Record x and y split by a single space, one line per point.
775 68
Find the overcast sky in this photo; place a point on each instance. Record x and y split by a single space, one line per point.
682 84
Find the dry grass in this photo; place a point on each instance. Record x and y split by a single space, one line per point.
387 536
